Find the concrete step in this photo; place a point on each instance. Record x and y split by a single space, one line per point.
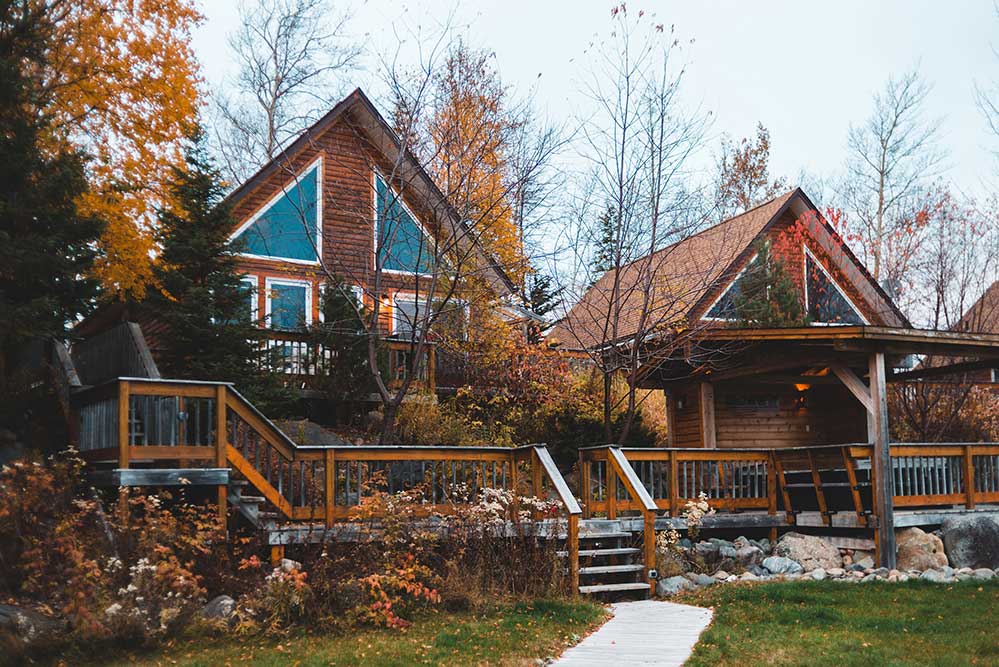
614 588
259 500
618 551
604 535
611 569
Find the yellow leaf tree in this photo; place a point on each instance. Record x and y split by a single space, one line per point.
470 131
121 82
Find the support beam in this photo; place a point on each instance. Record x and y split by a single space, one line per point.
884 506
707 401
854 384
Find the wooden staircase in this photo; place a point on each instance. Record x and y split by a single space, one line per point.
609 561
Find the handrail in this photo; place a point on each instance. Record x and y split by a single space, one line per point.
565 495
631 481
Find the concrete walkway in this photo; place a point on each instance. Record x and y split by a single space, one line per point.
645 632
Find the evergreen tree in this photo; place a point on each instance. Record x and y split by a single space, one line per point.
605 257
345 378
201 298
542 298
46 244
767 297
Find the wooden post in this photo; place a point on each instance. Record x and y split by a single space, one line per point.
573 548
674 485
537 482
707 401
123 423
277 554
584 485
649 547
969 478
124 446
884 502
611 490
670 418
820 496
221 443
330 486
851 476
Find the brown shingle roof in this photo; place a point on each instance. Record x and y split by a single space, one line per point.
983 316
679 276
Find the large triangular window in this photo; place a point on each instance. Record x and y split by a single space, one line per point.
827 303
287 227
725 307
402 244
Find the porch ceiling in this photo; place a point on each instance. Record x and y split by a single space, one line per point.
785 354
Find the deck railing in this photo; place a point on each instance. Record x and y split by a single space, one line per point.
299 354
827 479
132 421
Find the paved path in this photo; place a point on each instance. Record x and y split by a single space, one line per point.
646 632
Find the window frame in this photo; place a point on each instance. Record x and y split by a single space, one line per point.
726 291
254 284
412 297
287 282
804 273
283 191
375 176
356 290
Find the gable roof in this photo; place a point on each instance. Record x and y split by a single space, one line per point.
687 277
385 139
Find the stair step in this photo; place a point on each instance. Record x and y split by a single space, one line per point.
611 569
259 500
269 515
618 551
611 588
603 536
238 482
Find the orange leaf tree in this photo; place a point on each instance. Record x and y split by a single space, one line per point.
121 82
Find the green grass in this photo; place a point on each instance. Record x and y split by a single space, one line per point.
509 635
832 623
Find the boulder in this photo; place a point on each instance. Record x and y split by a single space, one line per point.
936 576
699 579
673 585
918 550
983 573
817 574
835 572
781 565
748 555
728 552
27 626
810 551
221 607
720 575
972 541
865 563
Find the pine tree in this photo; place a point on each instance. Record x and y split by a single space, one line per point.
201 298
46 244
767 297
542 298
347 378
605 257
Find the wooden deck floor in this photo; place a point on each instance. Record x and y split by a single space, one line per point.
646 632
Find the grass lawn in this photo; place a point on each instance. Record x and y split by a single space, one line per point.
510 635
830 623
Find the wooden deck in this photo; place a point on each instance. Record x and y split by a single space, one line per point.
142 431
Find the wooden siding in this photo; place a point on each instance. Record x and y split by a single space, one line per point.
347 229
771 416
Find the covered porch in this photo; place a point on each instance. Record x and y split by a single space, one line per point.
792 426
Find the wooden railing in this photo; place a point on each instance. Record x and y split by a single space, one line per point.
731 479
826 479
932 474
133 420
298 354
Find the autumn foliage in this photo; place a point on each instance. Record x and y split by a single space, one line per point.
121 83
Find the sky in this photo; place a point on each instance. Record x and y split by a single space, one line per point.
806 70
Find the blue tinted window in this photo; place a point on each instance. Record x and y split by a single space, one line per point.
288 228
402 246
826 303
725 308
288 306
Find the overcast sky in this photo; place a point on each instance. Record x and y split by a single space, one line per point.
805 69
